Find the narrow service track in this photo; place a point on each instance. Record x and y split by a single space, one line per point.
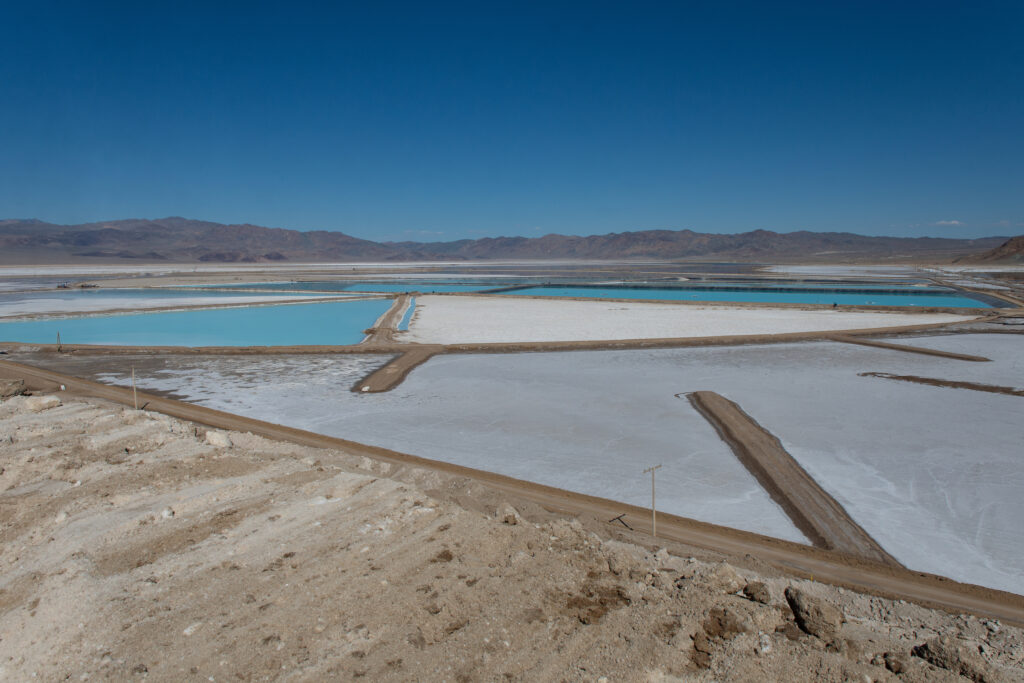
395 372
950 384
909 349
385 327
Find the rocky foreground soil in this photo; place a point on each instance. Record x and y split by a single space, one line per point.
137 546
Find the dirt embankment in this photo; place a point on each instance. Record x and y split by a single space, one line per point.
908 349
385 327
951 384
395 372
141 546
817 514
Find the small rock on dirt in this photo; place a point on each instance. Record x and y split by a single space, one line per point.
895 663
619 563
813 615
508 514
724 579
723 622
791 631
38 404
11 387
701 655
218 439
947 653
666 561
758 592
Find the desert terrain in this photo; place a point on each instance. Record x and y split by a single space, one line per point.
405 507
577 343
139 546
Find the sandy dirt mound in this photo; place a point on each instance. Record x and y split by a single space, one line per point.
140 546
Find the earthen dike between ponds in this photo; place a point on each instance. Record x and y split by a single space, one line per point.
410 355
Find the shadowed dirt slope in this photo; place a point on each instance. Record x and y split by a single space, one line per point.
1011 251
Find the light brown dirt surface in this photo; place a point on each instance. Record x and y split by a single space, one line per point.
908 349
935 382
384 328
138 546
392 374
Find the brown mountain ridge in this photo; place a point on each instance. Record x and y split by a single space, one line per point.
182 240
1010 251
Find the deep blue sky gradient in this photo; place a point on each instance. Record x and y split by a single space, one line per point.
444 120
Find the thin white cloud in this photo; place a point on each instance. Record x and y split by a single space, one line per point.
947 223
423 233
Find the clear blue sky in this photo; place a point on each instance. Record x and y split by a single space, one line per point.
434 120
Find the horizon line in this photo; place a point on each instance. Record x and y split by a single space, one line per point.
509 236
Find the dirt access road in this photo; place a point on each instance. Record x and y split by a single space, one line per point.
818 515
799 560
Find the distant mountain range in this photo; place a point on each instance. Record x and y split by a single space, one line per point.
182 240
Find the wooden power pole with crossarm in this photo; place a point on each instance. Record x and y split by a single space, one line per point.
654 518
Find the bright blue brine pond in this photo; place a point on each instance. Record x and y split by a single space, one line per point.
407 316
127 294
908 298
427 287
331 323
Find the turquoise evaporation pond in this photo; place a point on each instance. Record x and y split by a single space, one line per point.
379 287
329 323
751 296
403 325
119 293
426 288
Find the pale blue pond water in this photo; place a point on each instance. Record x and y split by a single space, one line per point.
921 297
331 323
426 288
404 324
396 287
903 285
117 293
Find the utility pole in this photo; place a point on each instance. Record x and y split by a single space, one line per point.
654 518
135 394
